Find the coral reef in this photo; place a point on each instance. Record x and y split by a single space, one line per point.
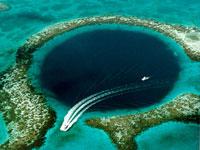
178 33
122 129
25 111
4 7
26 114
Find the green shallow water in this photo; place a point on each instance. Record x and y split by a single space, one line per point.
27 17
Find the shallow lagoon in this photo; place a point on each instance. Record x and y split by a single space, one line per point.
172 135
27 17
3 132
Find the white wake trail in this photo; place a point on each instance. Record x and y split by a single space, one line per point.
85 107
80 103
77 110
86 99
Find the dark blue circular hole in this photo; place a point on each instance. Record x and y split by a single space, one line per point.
101 59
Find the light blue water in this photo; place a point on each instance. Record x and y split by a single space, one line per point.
172 136
27 17
81 137
3 131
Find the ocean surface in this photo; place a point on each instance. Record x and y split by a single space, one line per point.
3 132
28 17
168 133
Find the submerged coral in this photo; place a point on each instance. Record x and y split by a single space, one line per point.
4 7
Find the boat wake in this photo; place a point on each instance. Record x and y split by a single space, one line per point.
78 109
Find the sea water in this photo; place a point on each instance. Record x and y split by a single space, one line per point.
3 130
172 136
28 17
79 135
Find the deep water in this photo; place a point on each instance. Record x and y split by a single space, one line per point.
97 60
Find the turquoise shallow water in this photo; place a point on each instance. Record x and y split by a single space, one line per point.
81 137
168 134
27 17
3 132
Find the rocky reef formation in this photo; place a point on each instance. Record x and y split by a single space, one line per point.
26 113
180 34
4 7
123 129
